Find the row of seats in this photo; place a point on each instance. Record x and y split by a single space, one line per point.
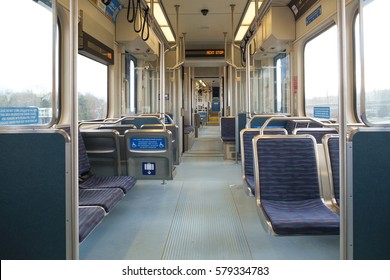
98 195
107 147
110 152
274 126
229 125
288 186
149 121
280 167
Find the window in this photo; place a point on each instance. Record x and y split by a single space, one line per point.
376 76
26 79
262 95
320 75
282 85
129 98
92 84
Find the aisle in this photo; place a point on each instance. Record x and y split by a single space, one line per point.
203 213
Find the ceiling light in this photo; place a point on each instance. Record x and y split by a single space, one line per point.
247 20
159 15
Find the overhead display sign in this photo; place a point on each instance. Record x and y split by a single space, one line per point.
19 115
205 53
147 144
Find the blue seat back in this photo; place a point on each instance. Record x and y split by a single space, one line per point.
138 121
288 168
84 165
317 133
228 128
247 150
331 143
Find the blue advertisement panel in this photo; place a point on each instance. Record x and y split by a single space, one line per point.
19 115
147 144
113 9
110 10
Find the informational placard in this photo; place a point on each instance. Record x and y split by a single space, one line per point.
148 144
322 112
315 14
19 115
149 168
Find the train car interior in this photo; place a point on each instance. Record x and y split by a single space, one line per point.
194 130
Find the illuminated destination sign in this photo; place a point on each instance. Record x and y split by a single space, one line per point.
205 53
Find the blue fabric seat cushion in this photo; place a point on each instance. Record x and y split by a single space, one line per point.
106 198
301 217
126 183
89 218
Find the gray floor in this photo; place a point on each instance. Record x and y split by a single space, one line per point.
203 213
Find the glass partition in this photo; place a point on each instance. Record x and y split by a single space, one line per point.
240 90
140 86
270 85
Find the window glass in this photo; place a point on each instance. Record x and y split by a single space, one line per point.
128 85
282 83
320 75
132 86
92 84
270 83
376 75
26 68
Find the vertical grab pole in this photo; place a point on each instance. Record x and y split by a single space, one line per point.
342 52
74 119
162 81
232 43
162 87
248 80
